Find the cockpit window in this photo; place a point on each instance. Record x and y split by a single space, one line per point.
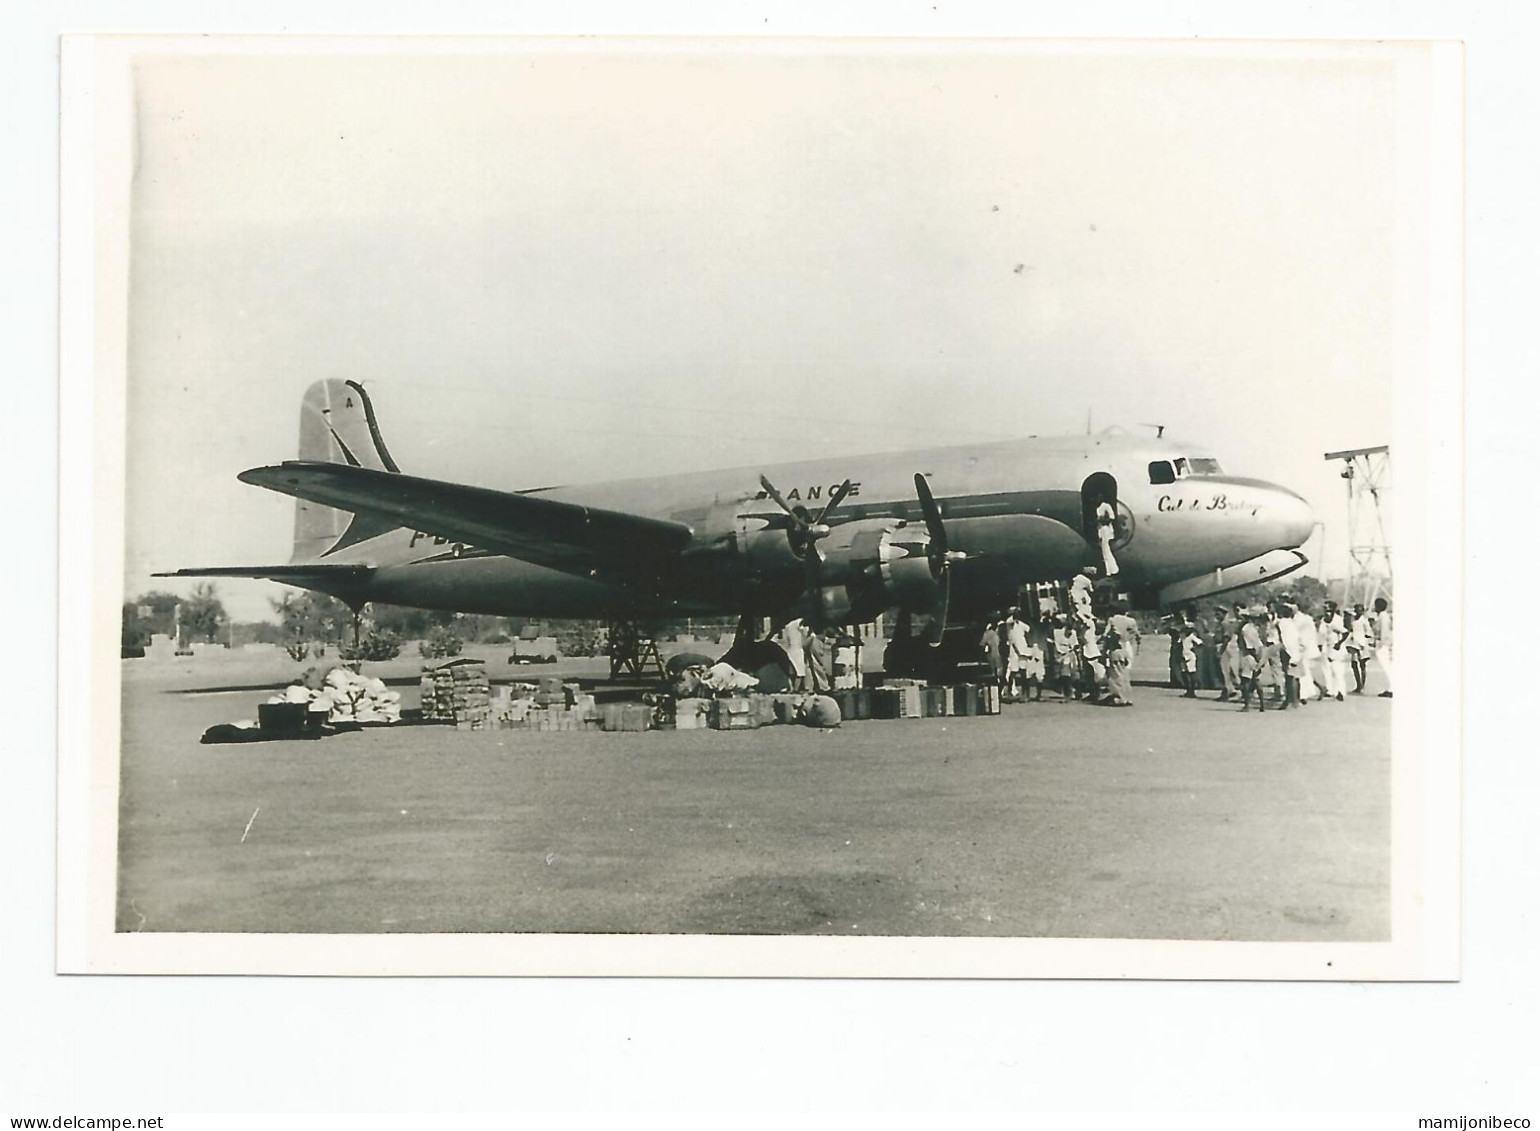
1181 467
1205 465
1160 472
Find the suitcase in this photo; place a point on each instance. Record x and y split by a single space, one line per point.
690 714
733 714
965 699
863 704
787 707
989 699
935 702
765 707
885 703
846 698
911 701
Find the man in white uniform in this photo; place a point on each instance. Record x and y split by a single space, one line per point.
793 641
1106 531
1331 636
1382 640
1309 654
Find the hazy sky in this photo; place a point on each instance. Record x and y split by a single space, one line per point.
563 266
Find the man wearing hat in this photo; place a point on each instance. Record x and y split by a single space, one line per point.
1251 657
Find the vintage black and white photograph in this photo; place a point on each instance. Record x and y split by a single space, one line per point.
872 492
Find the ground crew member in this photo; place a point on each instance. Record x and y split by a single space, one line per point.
990 643
1332 637
818 661
1227 639
1189 642
1252 660
1382 640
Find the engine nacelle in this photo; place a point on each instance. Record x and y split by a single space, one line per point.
871 565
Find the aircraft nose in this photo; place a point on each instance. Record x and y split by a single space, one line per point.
1292 513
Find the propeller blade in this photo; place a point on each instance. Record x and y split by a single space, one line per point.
932 515
835 500
776 495
937 627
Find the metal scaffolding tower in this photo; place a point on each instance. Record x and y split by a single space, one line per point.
1367 474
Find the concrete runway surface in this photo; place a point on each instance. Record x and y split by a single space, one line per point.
1172 819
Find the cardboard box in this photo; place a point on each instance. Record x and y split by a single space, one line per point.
733 714
691 714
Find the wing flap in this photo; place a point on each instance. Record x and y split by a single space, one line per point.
565 536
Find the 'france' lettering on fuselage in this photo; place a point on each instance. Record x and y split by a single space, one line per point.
814 492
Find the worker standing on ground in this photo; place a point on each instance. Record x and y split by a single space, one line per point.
1016 658
1226 635
1332 636
991 644
1118 656
1290 650
1106 532
1309 654
1252 660
1123 646
818 655
1382 641
1033 667
1068 657
793 641
1189 642
1360 645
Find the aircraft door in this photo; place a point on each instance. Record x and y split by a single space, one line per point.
1098 488
1105 524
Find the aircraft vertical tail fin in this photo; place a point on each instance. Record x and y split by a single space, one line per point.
337 425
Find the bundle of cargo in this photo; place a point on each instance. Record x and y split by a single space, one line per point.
343 697
626 716
458 691
553 718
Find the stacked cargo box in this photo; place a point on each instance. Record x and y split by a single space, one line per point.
458 692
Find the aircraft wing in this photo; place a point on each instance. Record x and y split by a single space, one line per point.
564 536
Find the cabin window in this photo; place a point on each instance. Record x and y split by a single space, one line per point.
1160 472
1205 465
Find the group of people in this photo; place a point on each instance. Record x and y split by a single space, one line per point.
1280 653
1072 652
1277 654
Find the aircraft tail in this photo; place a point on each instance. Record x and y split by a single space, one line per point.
337 425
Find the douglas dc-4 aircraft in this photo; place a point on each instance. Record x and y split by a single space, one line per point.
949 534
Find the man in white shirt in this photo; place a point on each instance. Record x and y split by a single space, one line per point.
1293 651
793 641
1382 640
1331 635
1309 655
1106 531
